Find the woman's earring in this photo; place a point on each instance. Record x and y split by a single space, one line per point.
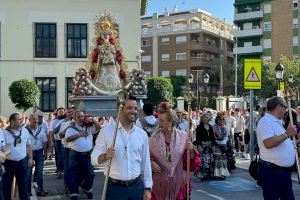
170 127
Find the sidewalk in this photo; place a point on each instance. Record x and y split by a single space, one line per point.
244 164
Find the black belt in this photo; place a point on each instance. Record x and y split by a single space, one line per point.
273 166
125 183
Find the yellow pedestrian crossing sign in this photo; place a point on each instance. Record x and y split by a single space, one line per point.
252 74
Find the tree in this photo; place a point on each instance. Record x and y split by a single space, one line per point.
24 94
160 89
143 7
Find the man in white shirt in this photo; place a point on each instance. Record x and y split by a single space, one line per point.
55 139
148 122
130 167
2 160
38 138
66 145
239 131
81 171
230 124
18 142
276 152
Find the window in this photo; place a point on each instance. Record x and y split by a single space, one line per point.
76 40
165 40
147 73
45 40
165 57
146 58
69 85
181 39
145 43
180 56
247 44
48 93
165 73
267 26
267 43
267 8
295 41
181 72
247 26
295 23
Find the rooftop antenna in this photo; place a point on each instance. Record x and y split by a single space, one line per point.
182 4
175 8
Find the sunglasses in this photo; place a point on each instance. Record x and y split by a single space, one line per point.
284 106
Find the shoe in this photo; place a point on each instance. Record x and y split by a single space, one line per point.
41 193
60 175
74 198
35 185
67 191
89 194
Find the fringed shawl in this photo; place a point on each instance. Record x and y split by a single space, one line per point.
172 177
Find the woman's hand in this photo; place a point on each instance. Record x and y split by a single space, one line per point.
155 167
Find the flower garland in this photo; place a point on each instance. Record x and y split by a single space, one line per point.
81 86
138 83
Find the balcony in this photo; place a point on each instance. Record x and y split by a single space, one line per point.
248 15
199 61
247 50
250 32
242 2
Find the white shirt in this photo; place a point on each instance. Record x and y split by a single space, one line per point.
230 123
2 140
82 144
282 155
240 123
53 124
37 143
63 126
138 156
18 152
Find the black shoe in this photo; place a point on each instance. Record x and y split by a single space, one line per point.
74 198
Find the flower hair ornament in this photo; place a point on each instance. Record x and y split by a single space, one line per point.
164 106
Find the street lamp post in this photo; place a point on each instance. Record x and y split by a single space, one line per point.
279 73
236 60
189 96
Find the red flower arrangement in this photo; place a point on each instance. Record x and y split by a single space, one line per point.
93 74
119 57
100 41
163 106
112 40
122 74
95 55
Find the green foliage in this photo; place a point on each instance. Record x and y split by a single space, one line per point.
178 82
143 7
160 89
268 82
24 94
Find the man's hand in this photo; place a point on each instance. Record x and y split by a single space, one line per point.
2 157
110 152
83 134
147 195
30 162
291 130
155 167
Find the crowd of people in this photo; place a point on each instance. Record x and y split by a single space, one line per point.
148 160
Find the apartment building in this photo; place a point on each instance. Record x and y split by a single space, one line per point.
179 43
47 41
267 29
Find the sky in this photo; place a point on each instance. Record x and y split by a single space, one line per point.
218 8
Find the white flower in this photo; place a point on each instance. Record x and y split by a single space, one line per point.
81 91
83 83
83 77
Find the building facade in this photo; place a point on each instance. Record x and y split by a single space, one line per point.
267 29
180 43
47 41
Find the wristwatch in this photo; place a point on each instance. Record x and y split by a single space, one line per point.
149 189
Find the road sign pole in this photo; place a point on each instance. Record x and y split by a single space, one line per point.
251 125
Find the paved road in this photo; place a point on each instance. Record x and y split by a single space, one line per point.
238 186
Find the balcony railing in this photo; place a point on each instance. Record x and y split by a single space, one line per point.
250 32
184 28
248 15
248 49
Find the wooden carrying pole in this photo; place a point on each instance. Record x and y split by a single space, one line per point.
188 153
121 100
294 140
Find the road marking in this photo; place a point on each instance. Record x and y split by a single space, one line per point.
211 195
